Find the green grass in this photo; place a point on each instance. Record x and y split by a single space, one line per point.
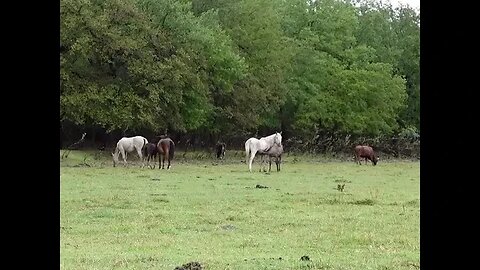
208 211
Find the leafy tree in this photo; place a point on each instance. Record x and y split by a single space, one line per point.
254 27
133 68
338 84
108 67
225 67
394 33
362 101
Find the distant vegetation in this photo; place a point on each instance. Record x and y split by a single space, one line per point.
327 73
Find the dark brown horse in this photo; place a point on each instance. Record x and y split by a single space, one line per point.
166 149
150 152
220 147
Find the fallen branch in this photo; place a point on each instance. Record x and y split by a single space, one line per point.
73 146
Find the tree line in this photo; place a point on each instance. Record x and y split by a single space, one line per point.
223 69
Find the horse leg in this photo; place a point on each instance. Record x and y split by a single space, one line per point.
247 152
269 163
252 156
124 156
167 157
139 152
145 159
264 163
151 157
261 163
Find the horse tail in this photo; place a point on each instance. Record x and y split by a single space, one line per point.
144 151
247 149
171 151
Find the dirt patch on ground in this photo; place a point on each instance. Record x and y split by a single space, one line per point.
305 258
190 266
228 227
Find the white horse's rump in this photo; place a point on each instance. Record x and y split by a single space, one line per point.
127 145
262 145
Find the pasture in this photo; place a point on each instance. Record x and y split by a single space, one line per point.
224 217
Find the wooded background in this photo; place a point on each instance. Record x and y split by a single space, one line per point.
328 73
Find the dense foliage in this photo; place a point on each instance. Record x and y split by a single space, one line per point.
226 67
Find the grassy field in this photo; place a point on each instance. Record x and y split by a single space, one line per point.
213 213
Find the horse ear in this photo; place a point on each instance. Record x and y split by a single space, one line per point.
280 132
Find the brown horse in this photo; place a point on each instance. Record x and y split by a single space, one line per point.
166 148
363 151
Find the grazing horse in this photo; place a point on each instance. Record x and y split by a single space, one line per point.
150 152
166 148
366 152
220 150
127 145
254 145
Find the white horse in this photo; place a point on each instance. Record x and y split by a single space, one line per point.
262 145
127 145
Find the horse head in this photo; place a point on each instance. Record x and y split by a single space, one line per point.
375 160
278 138
115 159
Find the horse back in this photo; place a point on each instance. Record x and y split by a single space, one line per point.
139 141
364 151
165 145
130 143
150 149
